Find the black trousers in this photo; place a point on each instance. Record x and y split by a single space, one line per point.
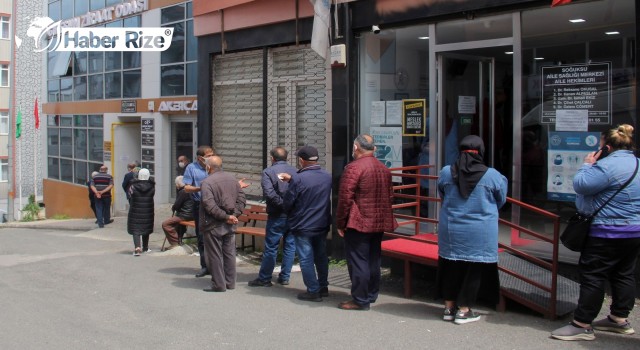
137 238
605 259
464 282
196 218
363 259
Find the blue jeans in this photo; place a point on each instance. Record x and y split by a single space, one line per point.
276 228
103 210
313 251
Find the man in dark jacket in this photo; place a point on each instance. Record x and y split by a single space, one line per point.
221 204
182 210
127 179
364 213
308 207
273 190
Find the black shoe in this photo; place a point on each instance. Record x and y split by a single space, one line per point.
216 290
258 283
203 272
324 292
283 282
101 226
306 296
109 222
96 221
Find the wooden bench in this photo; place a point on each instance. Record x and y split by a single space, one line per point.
250 217
247 225
420 249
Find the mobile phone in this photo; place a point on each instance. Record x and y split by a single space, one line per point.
604 151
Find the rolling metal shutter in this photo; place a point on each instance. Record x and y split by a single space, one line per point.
296 108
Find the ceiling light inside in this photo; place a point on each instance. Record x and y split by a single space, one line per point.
612 33
539 58
577 20
423 37
509 52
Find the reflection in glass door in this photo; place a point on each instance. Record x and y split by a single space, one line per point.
466 94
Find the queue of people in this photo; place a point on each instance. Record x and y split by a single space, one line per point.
299 213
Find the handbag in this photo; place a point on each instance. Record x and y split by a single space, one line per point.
575 234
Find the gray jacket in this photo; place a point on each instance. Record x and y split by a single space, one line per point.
221 197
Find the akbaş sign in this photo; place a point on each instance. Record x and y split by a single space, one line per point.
177 106
59 37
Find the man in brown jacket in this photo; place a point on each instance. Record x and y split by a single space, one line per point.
364 213
222 202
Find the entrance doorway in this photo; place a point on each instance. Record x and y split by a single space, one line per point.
475 98
182 144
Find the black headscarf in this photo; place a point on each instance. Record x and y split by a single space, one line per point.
469 168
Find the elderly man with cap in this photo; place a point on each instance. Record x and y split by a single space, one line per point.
307 203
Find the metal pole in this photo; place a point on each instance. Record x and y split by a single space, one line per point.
12 112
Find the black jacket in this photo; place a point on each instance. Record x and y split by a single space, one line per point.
183 206
141 210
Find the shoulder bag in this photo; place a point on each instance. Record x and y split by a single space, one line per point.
575 234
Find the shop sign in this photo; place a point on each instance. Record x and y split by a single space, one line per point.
584 87
414 113
148 139
147 124
148 154
107 14
178 106
128 106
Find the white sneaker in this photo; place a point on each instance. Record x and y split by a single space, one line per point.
466 317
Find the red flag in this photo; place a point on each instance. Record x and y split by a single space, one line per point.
35 113
559 2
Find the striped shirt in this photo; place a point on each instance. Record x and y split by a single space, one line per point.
102 181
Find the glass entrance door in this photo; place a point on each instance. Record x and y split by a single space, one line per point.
467 99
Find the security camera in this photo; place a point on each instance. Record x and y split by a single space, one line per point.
375 29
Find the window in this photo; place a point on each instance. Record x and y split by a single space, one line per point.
74 146
4 27
181 57
4 123
4 170
4 75
95 75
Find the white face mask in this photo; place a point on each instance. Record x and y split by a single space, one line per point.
181 164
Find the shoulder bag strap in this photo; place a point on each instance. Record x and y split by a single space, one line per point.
619 189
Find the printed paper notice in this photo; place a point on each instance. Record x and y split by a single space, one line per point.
377 112
394 112
572 120
466 104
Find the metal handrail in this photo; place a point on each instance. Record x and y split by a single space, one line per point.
412 172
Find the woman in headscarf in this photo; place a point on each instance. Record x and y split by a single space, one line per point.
472 194
141 211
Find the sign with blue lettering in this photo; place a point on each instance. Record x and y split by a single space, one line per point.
565 156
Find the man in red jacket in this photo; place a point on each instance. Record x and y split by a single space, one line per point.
364 213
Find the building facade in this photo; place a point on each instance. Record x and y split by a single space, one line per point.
6 29
421 75
110 108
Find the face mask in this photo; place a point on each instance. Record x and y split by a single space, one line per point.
181 164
